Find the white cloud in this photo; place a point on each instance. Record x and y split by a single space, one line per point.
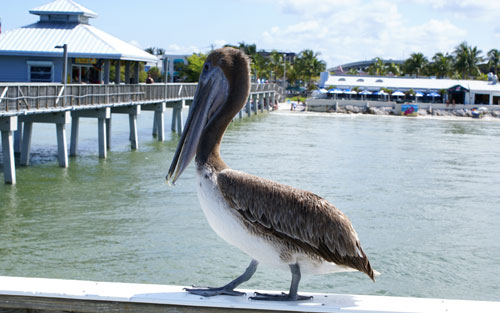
465 8
177 49
345 32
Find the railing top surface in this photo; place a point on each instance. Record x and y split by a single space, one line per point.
175 295
270 85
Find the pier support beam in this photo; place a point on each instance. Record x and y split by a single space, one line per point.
256 104
101 115
18 137
158 119
177 116
249 106
132 112
7 126
58 118
108 133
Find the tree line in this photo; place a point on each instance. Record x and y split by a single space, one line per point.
464 62
271 67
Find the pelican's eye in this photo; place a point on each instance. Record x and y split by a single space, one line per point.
206 67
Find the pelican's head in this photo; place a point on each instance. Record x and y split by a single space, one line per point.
222 90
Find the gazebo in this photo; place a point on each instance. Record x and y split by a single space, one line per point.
34 53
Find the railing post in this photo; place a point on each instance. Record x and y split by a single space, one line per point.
7 126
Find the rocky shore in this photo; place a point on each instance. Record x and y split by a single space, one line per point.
352 109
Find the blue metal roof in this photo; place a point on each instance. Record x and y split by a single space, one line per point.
83 40
67 7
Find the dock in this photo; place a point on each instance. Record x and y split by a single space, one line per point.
23 295
22 104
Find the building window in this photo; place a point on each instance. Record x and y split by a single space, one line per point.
341 79
40 71
379 81
360 80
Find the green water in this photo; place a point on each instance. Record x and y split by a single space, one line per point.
423 195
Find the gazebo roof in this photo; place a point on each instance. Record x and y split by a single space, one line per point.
82 39
63 7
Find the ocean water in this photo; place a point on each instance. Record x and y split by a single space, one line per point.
422 193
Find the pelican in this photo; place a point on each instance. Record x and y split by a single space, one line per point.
274 224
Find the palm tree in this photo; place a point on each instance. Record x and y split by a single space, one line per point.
352 71
318 66
307 65
260 66
250 50
467 60
442 65
276 64
494 59
292 75
160 51
394 69
150 50
415 63
377 67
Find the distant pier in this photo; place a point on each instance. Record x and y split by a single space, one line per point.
22 104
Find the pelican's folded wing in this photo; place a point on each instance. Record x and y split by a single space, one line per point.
299 217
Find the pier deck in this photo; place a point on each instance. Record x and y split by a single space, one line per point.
20 294
21 105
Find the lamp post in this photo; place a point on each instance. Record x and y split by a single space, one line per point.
65 71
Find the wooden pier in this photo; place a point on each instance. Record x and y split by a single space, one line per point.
23 295
21 105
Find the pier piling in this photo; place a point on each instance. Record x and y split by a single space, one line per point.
101 114
7 126
60 119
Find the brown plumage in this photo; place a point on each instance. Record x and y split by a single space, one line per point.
301 219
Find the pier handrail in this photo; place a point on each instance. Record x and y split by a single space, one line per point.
19 98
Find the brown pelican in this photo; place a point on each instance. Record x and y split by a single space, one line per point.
272 223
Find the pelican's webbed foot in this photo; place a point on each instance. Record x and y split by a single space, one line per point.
210 291
292 295
228 289
280 297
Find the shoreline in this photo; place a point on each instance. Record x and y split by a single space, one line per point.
438 114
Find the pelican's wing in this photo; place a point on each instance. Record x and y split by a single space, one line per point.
299 217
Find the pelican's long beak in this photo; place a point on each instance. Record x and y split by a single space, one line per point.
210 95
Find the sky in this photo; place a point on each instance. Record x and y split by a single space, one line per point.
341 31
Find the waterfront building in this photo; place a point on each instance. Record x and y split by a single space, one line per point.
34 53
173 64
453 90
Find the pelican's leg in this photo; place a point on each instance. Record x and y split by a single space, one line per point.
292 294
229 288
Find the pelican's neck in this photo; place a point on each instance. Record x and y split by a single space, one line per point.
208 151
